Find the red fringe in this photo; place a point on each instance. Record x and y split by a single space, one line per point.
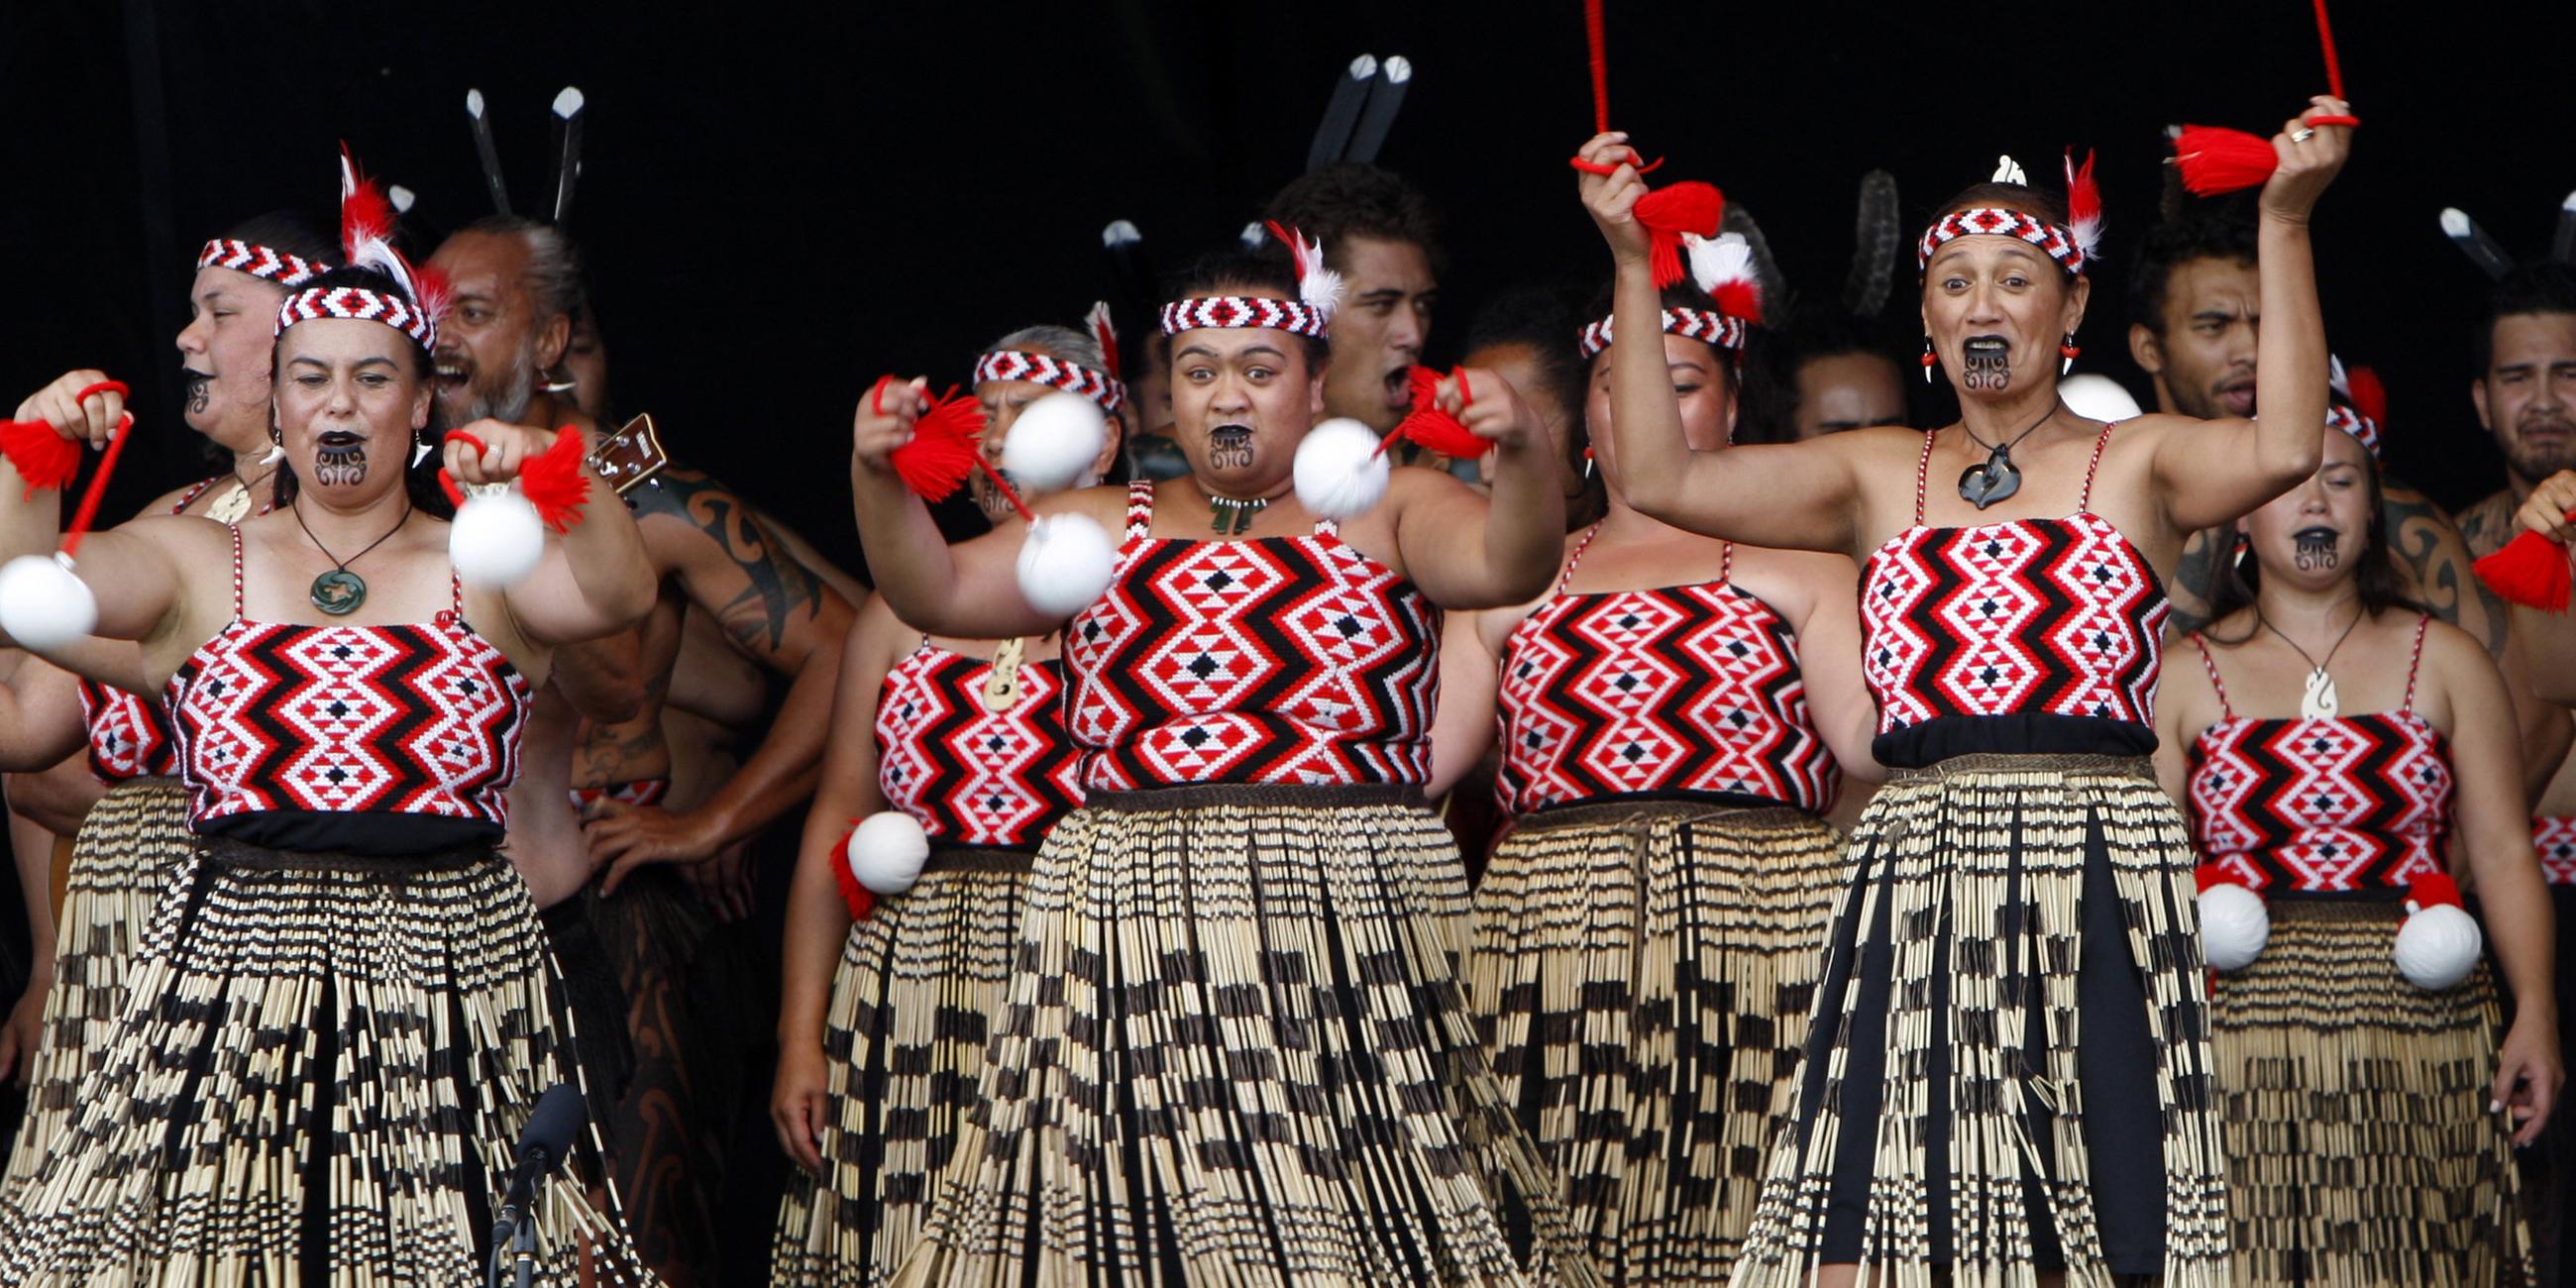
45 459
1435 429
1686 207
1741 300
860 900
2217 161
365 214
554 481
2531 570
945 440
2429 888
2212 874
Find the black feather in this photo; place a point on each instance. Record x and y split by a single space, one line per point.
1875 237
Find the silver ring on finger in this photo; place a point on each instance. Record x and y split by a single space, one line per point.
2302 134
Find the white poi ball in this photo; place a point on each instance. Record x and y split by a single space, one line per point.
1339 471
496 539
887 850
42 605
1064 564
1052 443
2234 926
2438 946
2096 397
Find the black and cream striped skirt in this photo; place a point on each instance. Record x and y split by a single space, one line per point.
1642 971
2359 1146
1232 1050
320 1072
134 841
2009 1070
904 1039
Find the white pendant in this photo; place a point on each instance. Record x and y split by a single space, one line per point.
2319 702
232 506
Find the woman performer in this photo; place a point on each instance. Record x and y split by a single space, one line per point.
1644 943
135 834
1232 1047
879 1059
341 1016
2362 1146
2020 869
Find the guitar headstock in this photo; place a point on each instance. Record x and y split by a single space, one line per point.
629 456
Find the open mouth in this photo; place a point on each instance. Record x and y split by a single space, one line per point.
1985 346
449 376
336 438
2239 397
1399 387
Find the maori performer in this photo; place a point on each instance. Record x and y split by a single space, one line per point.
342 1013
1232 1047
2361 1103
1671 716
2020 875
881 1040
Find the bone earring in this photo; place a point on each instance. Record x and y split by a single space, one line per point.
276 447
1587 464
1929 358
2066 351
419 450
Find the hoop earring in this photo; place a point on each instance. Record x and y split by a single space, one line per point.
2066 350
1929 358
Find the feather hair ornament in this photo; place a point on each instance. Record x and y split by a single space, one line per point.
1319 287
1738 221
2084 206
1722 268
367 240
1876 240
1104 330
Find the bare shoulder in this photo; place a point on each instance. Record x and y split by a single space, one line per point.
2447 646
1105 505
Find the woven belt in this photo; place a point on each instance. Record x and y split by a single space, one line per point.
2066 763
967 858
244 856
1259 796
1621 811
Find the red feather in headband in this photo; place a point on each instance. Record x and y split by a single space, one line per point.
1106 332
367 238
2084 206
1722 267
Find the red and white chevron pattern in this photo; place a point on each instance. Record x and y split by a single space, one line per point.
2054 241
971 775
1683 689
129 737
2554 836
361 304
1053 372
1716 328
2349 803
2055 616
1280 660
289 271
1240 311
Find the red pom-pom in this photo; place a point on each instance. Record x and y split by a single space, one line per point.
554 482
945 439
2531 571
2429 889
1687 207
1434 429
45 459
2217 161
1741 300
859 898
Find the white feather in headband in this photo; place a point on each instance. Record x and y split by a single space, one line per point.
1723 268
367 240
1320 288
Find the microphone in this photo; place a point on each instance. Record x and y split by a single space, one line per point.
547 1139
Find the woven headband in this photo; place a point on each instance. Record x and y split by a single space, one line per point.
289 271
1053 372
357 303
1243 311
1691 324
2363 429
2053 240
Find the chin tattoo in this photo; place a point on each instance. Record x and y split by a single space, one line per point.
340 466
195 391
1230 448
2316 550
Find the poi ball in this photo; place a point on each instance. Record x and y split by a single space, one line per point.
1052 443
496 539
2234 926
1064 564
2097 397
42 605
1340 473
887 850
2438 946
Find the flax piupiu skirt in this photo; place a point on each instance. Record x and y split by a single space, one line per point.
1642 972
1232 1052
2009 1069
320 1074
135 839
2359 1146
904 1038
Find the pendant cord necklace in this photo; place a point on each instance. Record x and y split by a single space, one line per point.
1997 477
2320 700
340 592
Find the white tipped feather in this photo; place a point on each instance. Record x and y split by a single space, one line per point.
402 198
568 100
2335 378
1399 68
1252 235
474 103
2455 222
1120 233
1363 67
1715 261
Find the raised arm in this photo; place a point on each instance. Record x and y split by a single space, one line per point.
2495 836
969 591
1468 551
817 921
2208 473
593 580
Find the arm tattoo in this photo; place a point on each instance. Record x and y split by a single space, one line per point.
758 616
2195 580
2443 582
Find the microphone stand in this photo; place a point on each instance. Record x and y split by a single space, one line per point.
514 1230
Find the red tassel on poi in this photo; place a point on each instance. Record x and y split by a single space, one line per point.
2216 161
1434 429
2531 570
45 459
946 438
2212 874
1686 207
2428 889
554 481
860 900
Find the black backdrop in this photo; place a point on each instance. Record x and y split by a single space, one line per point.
783 201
